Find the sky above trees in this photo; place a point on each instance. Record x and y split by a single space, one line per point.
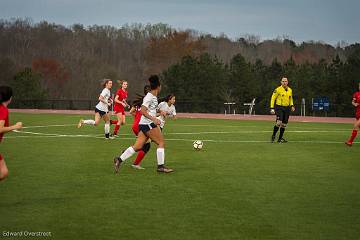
331 21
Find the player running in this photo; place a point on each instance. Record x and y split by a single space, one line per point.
101 109
167 106
136 112
119 106
148 129
356 103
5 99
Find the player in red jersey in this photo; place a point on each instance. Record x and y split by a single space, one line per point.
119 106
356 103
5 99
136 112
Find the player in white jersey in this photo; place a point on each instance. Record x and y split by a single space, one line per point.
101 109
167 106
148 127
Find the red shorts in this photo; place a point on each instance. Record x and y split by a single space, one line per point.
1 157
357 115
119 109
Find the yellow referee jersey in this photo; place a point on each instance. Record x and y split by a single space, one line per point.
282 97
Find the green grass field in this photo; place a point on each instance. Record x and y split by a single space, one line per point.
239 186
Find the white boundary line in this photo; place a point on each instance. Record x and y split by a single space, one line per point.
100 136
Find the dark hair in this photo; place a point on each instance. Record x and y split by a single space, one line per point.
139 98
5 93
167 98
154 82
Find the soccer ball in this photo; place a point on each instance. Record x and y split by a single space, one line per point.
198 145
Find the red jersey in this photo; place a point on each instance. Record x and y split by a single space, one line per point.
356 98
137 118
4 115
122 95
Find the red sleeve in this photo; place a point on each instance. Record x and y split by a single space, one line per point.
4 113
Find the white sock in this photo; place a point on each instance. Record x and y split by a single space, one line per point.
89 122
127 153
160 153
107 128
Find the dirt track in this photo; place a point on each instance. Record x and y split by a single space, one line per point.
205 115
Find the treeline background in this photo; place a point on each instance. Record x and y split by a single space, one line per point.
54 66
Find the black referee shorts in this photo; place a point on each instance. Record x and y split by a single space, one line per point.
282 113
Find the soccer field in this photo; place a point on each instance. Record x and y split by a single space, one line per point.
240 186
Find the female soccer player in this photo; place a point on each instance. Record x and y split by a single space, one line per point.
119 106
167 106
148 129
136 112
101 109
356 103
5 99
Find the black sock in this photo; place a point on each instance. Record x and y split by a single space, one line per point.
107 135
282 130
276 128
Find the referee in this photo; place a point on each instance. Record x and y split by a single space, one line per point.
281 103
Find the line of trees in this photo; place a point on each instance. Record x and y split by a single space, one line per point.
206 82
68 62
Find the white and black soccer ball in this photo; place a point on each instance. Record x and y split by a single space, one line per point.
198 145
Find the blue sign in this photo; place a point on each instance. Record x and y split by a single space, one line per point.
321 104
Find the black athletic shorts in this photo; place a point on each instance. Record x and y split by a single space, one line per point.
146 127
282 113
102 113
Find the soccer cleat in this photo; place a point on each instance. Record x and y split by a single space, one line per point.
282 140
117 163
138 167
272 139
348 143
81 122
164 170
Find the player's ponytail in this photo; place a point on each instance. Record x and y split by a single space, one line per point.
139 98
5 93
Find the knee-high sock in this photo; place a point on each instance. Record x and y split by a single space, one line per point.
107 128
116 129
160 154
276 128
89 122
282 130
113 121
127 153
353 135
140 156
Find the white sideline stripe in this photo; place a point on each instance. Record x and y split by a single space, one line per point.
53 135
203 125
55 125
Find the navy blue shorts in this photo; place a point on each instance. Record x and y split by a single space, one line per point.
102 113
282 113
146 127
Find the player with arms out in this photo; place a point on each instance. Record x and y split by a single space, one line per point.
356 103
148 129
101 109
5 99
281 103
119 106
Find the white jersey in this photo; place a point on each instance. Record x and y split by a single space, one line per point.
170 111
151 103
103 106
